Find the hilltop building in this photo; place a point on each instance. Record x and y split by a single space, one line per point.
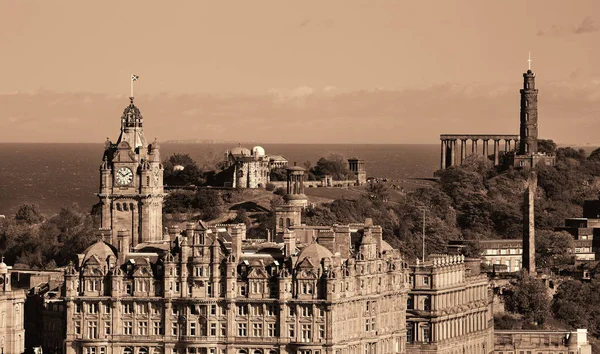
519 150
245 168
357 166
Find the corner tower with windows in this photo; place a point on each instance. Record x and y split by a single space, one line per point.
529 116
131 183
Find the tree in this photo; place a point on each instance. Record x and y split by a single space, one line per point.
334 165
546 146
208 202
29 214
553 248
278 174
528 296
378 192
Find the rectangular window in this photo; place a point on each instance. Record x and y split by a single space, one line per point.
272 330
128 308
78 328
425 280
93 307
128 328
223 330
321 331
243 310
213 329
78 308
107 309
256 310
192 329
271 310
257 330
242 330
409 333
92 329
426 333
142 328
292 330
157 328
306 311
306 333
174 329
107 328
213 310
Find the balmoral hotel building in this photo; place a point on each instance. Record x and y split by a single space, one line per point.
207 290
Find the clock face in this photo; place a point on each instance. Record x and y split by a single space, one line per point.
124 176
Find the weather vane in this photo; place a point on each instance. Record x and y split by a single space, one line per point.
133 78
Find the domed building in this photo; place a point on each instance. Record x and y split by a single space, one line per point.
246 168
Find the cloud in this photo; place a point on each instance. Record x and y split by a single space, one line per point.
326 23
586 26
306 114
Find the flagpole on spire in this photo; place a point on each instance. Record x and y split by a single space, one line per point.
133 78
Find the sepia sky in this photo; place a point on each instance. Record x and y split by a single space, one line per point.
297 71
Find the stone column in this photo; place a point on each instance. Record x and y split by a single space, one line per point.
496 152
506 145
475 147
452 153
444 145
455 155
485 148
463 150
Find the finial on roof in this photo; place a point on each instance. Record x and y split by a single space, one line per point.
131 100
529 61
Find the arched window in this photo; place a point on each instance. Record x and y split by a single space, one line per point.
526 103
526 131
526 117
281 223
257 351
127 350
143 351
287 222
526 147
242 351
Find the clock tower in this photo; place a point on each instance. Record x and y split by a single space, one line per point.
131 182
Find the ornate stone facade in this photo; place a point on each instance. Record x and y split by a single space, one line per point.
212 291
449 308
12 315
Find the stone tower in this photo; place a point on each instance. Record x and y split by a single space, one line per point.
295 187
357 166
529 224
529 116
131 182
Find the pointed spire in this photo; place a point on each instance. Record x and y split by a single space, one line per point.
529 61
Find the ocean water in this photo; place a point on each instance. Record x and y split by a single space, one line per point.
55 175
